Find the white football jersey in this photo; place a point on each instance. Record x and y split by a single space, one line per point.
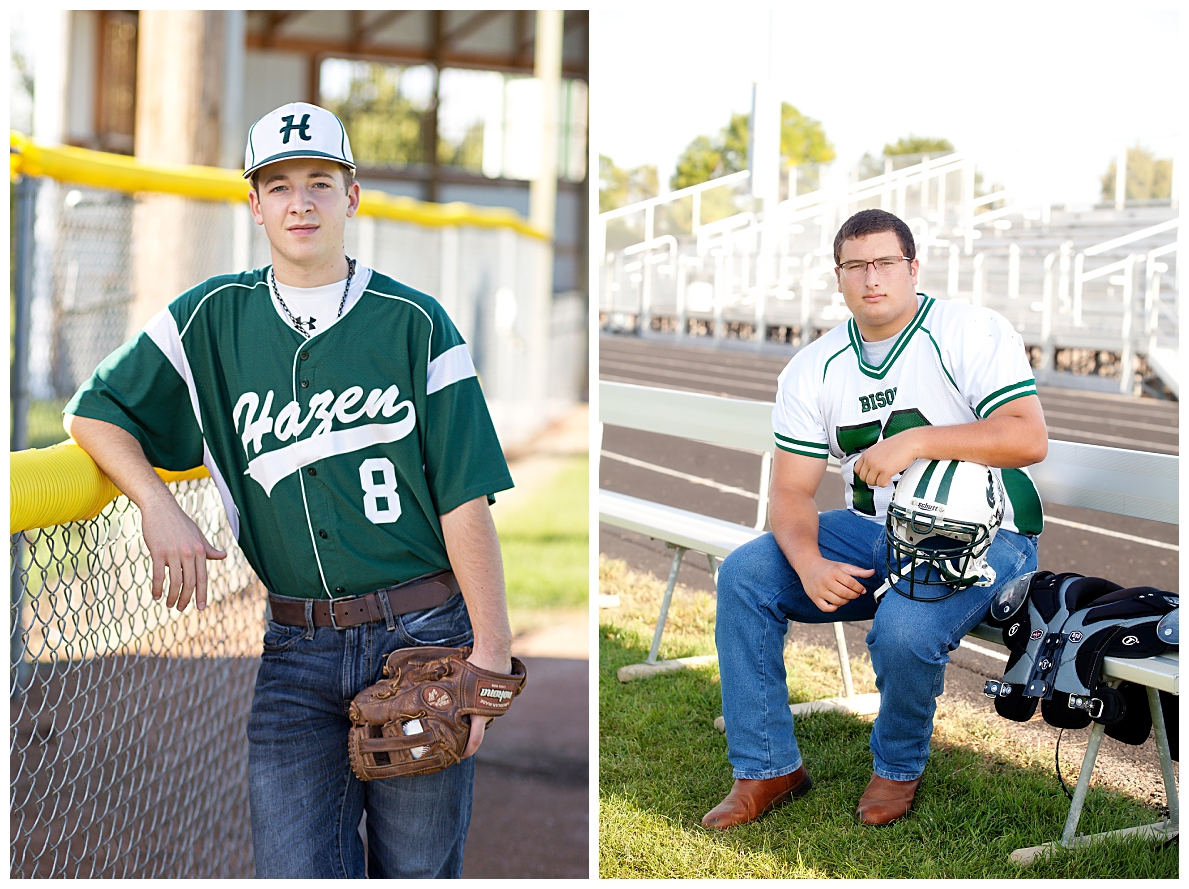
954 363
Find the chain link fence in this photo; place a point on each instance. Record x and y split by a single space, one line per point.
128 751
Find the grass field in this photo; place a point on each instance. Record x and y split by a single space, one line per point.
544 544
663 765
45 423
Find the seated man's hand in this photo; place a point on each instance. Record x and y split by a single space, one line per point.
880 463
830 585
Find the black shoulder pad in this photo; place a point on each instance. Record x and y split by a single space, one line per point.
1010 599
1084 590
1169 628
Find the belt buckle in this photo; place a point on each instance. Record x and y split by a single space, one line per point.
333 623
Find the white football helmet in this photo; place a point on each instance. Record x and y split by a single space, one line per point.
943 517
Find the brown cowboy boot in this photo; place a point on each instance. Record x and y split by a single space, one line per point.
750 798
886 801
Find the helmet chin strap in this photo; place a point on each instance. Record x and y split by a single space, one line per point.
985 571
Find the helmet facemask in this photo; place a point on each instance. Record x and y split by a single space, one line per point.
939 528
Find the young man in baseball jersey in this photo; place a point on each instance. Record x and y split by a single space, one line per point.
908 377
341 420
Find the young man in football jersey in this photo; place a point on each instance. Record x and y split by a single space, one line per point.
909 377
341 420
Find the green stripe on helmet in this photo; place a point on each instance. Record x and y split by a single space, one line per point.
923 484
947 478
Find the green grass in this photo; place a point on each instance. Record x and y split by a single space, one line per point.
544 544
45 423
663 765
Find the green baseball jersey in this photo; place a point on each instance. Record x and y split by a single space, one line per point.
953 363
334 455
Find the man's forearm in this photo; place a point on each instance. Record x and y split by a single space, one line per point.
794 519
176 545
474 551
1001 441
1015 435
117 452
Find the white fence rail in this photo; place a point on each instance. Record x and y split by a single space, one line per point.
771 277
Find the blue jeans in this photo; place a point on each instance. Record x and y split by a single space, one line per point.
306 803
910 642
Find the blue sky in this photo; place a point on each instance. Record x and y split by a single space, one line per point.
1041 94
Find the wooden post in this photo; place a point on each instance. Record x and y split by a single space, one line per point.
179 120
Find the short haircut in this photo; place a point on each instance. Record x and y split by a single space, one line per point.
348 178
872 222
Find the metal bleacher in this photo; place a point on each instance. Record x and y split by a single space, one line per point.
1100 279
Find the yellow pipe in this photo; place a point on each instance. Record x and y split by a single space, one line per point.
118 172
60 484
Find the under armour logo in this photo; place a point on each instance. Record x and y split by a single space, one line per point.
310 323
290 126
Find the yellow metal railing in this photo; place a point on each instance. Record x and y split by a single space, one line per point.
60 484
119 172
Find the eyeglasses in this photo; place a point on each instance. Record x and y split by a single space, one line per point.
858 268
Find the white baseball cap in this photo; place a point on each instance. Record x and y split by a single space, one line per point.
298 129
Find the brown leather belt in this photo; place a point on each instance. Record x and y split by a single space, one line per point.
413 595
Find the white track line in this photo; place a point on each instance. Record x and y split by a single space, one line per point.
1126 423
998 655
696 479
686 375
1109 533
752 495
1134 443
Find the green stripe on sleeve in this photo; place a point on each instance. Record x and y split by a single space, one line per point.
801 452
982 410
1009 397
804 444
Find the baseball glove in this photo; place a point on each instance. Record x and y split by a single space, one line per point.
414 721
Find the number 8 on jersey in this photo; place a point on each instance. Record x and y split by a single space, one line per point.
384 490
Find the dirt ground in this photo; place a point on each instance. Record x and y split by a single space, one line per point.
531 816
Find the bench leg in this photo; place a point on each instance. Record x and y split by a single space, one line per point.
1170 780
848 688
660 623
1079 793
1069 838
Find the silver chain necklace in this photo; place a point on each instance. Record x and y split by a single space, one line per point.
295 321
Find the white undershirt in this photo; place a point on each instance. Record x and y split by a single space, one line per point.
319 303
873 353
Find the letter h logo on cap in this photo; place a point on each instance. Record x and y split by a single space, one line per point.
301 128
320 134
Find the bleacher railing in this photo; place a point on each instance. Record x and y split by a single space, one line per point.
771 276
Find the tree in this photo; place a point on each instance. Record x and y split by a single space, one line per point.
911 144
387 128
384 126
802 141
619 187
1148 177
